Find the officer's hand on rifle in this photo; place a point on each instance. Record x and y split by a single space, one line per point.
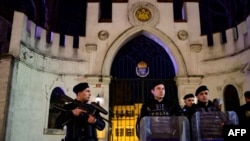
91 119
78 111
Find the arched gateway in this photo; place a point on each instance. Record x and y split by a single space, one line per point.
137 62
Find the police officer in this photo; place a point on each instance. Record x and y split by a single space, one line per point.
189 107
203 102
188 110
157 106
244 112
81 126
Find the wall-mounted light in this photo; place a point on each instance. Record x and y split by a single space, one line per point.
99 99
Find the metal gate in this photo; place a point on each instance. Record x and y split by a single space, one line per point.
126 98
136 66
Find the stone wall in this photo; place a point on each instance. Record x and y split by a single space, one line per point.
40 66
6 65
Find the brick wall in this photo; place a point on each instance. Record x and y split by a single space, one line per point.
6 67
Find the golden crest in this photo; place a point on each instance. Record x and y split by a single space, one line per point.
142 69
143 14
142 64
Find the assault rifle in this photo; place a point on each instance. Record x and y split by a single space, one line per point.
91 108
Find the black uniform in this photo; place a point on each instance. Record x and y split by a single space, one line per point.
244 115
78 128
203 107
156 108
189 111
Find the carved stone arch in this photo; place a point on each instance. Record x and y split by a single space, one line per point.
152 33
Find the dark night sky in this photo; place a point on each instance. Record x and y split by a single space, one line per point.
69 17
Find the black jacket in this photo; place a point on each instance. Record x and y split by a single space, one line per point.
189 111
244 115
78 128
156 108
202 107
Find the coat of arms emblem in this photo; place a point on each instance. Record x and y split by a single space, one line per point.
142 69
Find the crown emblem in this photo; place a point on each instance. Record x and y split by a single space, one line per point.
142 69
142 64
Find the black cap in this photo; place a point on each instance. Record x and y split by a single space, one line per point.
188 96
156 83
80 87
200 89
247 94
